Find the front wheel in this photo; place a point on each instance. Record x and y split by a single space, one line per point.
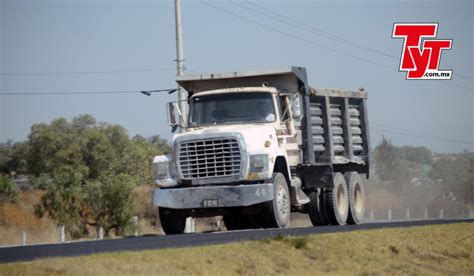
276 213
172 221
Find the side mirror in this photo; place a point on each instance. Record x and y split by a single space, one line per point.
296 106
171 111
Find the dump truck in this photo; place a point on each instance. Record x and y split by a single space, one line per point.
259 145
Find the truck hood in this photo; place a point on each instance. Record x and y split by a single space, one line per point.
254 135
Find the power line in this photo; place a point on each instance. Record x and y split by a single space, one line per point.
146 92
405 133
457 85
294 36
462 76
88 72
396 129
298 24
309 28
391 129
313 43
192 70
416 133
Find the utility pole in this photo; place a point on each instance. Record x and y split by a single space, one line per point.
180 59
190 223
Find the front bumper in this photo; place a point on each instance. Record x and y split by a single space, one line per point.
213 196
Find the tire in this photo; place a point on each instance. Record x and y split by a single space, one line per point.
233 222
355 186
230 222
336 201
252 221
241 222
172 221
316 210
276 213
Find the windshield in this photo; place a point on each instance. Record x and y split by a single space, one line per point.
253 107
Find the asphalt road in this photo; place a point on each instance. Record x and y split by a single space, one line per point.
32 252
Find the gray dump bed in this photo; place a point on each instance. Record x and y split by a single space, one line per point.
339 128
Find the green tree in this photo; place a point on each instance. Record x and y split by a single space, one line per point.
419 155
13 157
109 202
390 167
456 173
88 170
160 145
8 190
5 156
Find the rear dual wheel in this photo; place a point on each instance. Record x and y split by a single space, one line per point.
317 209
356 198
337 201
330 205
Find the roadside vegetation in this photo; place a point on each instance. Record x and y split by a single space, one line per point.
427 250
81 174
8 189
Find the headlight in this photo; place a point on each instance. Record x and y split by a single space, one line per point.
161 167
259 163
160 170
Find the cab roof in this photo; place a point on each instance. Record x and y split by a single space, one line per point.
289 79
238 90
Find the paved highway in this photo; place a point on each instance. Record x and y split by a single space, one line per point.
32 252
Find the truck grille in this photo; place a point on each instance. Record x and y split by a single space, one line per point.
209 158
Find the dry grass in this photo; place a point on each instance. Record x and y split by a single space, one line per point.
16 218
148 215
428 250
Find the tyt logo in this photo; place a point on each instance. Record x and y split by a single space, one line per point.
421 56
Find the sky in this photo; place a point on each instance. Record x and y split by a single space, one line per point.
130 46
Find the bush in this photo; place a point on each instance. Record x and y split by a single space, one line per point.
8 190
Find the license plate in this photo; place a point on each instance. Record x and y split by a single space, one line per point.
210 203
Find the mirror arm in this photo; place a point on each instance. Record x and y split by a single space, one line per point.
181 117
284 112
